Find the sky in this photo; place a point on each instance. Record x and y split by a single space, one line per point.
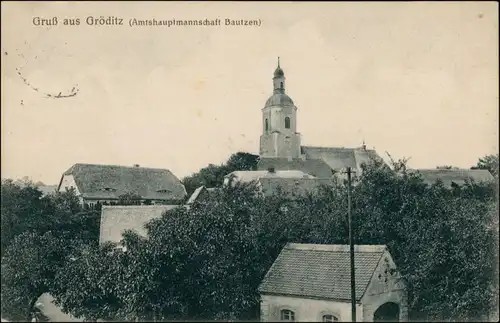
416 80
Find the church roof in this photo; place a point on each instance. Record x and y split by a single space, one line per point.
278 72
457 176
321 271
279 99
339 158
315 167
116 219
109 182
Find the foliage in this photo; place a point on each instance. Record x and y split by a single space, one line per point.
489 162
38 234
213 175
205 262
29 267
23 209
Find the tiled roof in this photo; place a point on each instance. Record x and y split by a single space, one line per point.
116 219
47 189
109 182
457 176
254 175
321 271
315 167
339 158
293 186
195 195
280 99
199 192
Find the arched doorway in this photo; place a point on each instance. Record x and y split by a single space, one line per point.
388 312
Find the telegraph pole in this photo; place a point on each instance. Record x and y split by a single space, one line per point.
351 247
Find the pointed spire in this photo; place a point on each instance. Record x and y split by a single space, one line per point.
278 61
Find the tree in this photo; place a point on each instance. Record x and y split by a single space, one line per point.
38 236
23 209
206 262
490 163
213 175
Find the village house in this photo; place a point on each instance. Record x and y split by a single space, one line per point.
450 177
115 220
105 184
287 182
311 283
202 193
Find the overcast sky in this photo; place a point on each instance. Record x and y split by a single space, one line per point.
413 79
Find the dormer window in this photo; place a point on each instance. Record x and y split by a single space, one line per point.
108 189
164 191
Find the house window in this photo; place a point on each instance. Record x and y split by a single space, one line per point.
266 125
287 315
330 318
287 123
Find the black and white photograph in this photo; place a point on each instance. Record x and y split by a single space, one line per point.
251 161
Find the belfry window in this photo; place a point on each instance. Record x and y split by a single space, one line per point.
281 85
266 125
287 123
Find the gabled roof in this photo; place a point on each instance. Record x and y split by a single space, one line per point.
116 219
47 189
293 186
457 176
109 182
321 271
199 192
195 195
315 167
340 158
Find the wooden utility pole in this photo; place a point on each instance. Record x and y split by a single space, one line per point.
351 247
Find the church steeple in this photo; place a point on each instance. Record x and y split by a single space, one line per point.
279 79
279 137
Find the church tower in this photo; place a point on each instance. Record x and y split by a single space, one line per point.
279 137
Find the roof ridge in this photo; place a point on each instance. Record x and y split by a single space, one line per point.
344 148
137 206
121 166
445 169
335 247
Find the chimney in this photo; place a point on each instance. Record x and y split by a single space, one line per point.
271 170
136 165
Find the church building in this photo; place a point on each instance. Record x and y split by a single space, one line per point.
280 143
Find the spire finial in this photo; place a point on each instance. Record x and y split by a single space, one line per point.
278 61
364 145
